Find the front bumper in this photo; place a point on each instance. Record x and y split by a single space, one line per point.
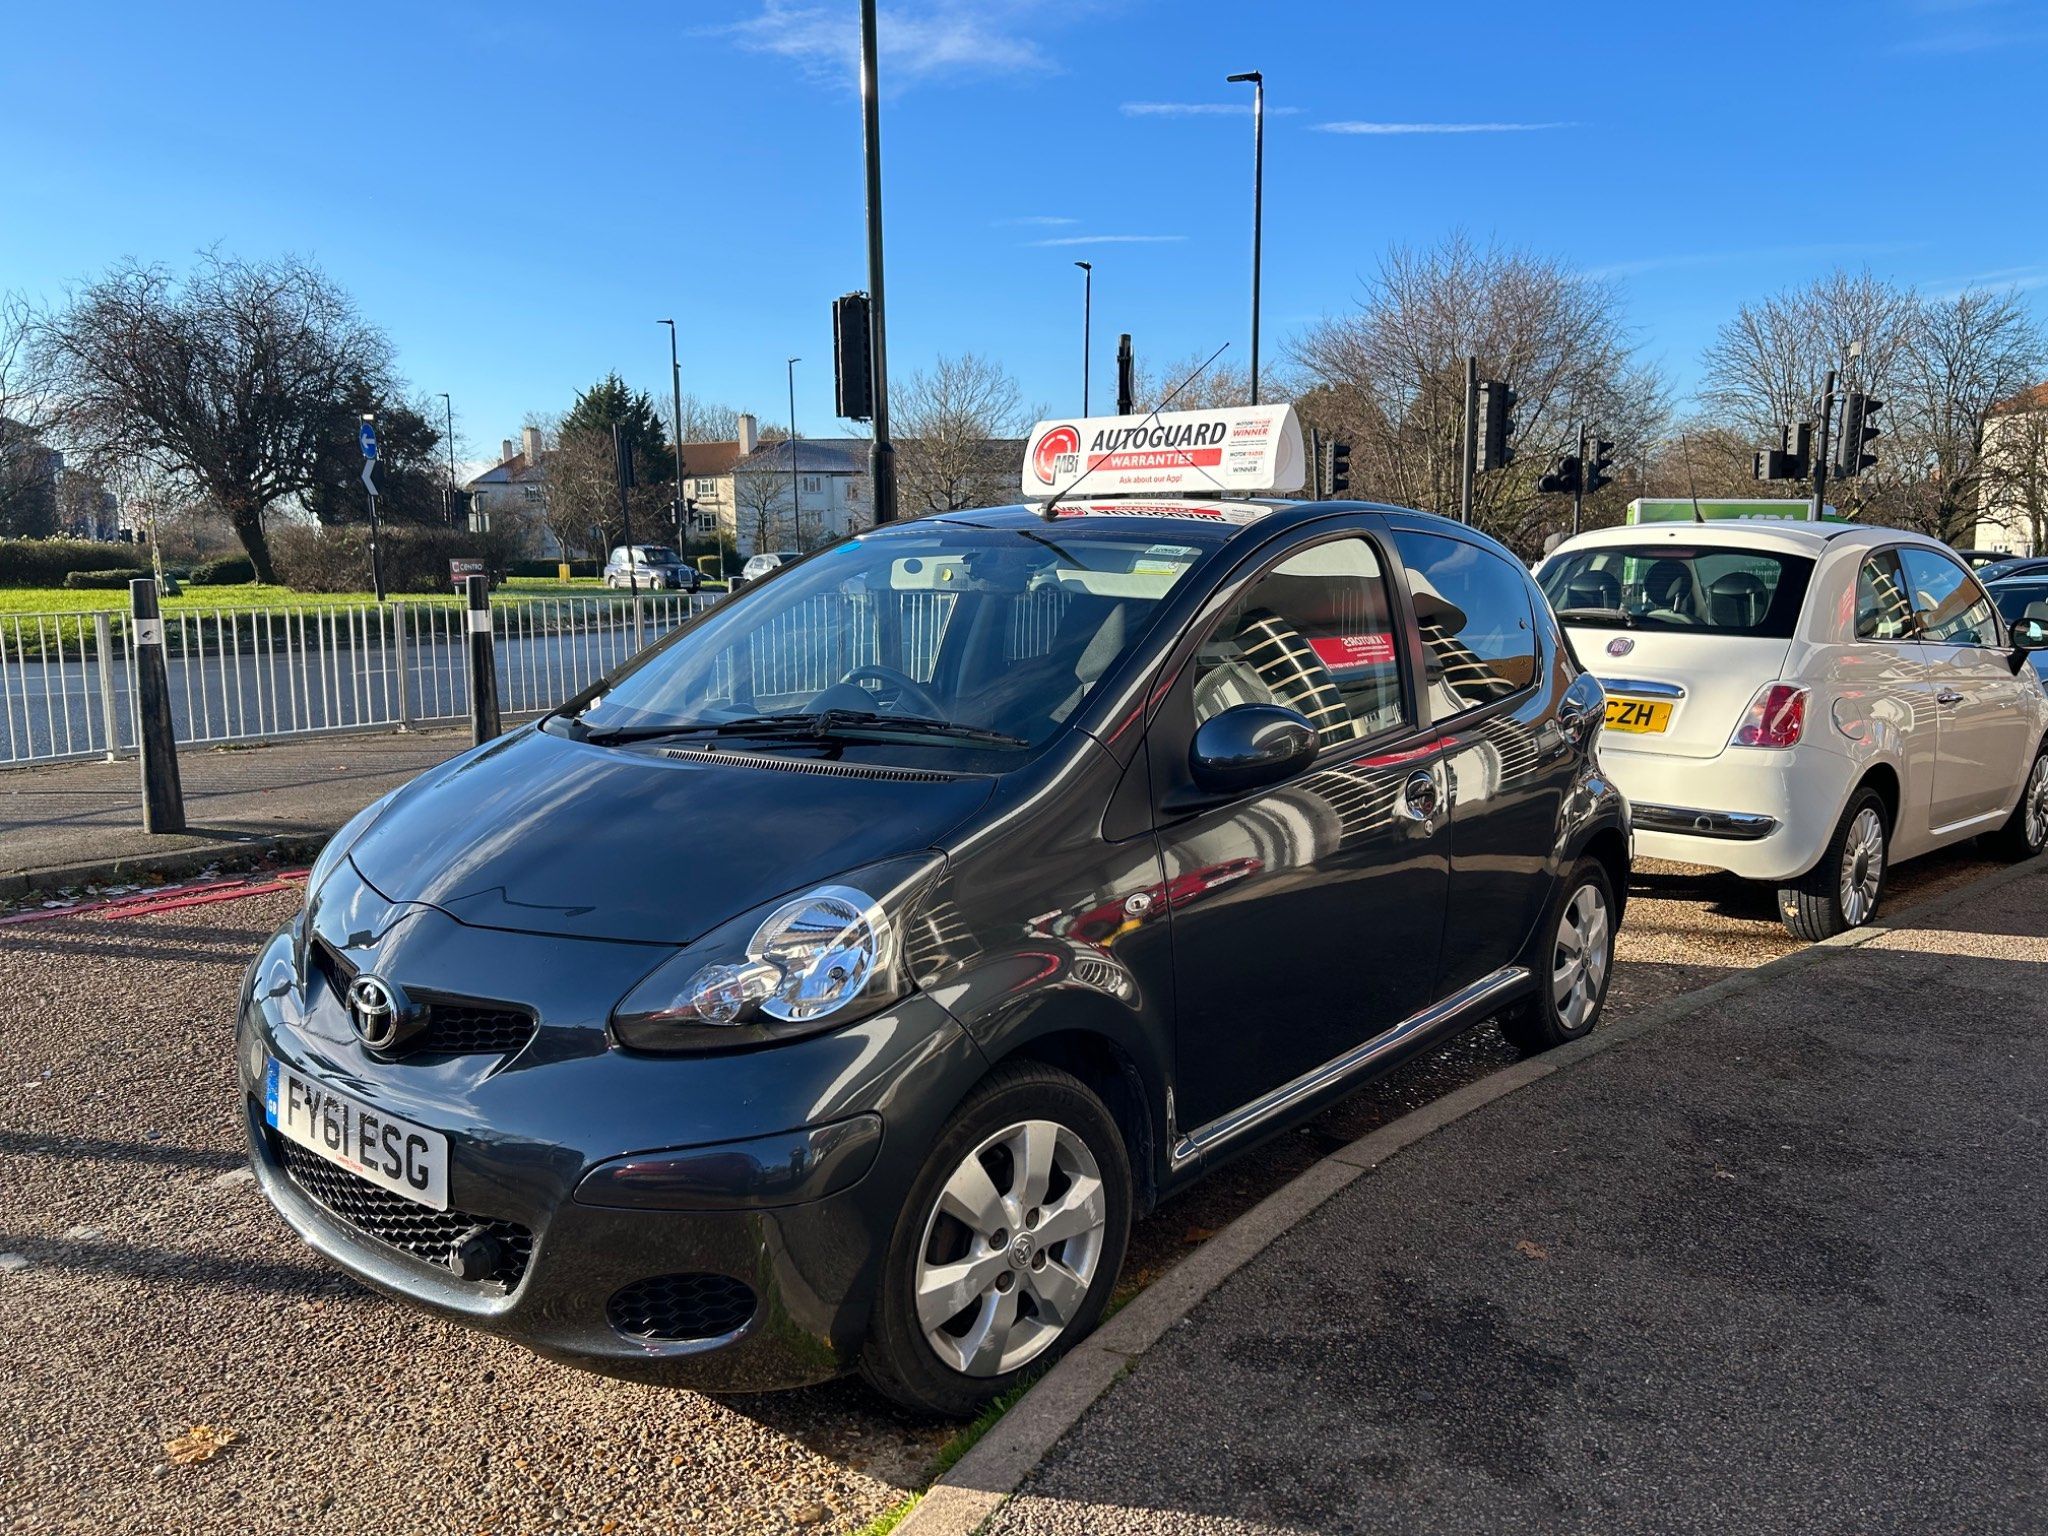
1759 813
793 1245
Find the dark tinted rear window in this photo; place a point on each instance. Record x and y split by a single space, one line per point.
1707 590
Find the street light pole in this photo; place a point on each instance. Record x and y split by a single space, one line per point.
1258 84
675 379
1087 324
882 452
796 506
448 507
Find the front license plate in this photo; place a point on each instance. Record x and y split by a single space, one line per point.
1637 715
391 1153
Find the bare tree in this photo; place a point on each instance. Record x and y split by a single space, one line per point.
956 429
1196 383
28 499
1390 377
2015 468
226 380
761 511
707 421
1964 355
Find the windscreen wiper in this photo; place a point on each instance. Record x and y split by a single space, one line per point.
812 725
1621 616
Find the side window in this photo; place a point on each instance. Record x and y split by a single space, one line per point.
1882 612
1316 634
1478 631
1948 605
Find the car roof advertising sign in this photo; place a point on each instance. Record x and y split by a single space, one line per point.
1241 448
1679 509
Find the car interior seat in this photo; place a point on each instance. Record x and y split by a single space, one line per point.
1737 600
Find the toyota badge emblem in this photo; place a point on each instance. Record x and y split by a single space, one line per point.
379 1012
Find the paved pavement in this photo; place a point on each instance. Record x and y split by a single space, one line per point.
91 812
1777 1268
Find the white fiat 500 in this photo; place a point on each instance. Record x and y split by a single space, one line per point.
1805 703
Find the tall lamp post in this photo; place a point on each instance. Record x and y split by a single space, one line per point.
675 380
448 409
881 452
796 506
1087 324
1258 84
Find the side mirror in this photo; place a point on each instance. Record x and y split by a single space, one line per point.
1250 746
2029 634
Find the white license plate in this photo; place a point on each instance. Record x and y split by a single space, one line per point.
391 1153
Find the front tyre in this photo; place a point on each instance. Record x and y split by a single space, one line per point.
1842 890
1567 1005
2025 832
1008 1245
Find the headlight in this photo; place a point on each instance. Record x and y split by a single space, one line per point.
819 960
336 847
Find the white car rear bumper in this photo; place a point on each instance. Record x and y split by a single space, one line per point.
1757 813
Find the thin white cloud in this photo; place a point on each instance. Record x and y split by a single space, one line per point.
1999 280
1039 220
1112 240
1668 260
1392 128
925 40
1200 109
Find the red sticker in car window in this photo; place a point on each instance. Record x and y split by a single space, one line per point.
1340 651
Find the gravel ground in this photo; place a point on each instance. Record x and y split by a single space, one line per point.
145 1288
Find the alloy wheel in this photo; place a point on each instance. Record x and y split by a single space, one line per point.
1862 866
2037 804
1010 1248
1578 968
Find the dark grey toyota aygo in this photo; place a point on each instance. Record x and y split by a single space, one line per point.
830 989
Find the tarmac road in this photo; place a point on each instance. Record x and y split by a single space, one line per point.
145 1287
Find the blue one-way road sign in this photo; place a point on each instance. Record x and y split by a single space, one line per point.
369 435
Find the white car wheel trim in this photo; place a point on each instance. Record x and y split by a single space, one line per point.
1862 866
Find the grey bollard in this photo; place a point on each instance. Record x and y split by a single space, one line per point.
483 663
156 741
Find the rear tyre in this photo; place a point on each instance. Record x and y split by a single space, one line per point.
1008 1246
1842 890
2025 832
1567 1002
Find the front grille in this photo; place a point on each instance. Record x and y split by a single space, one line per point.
452 1028
681 1307
401 1223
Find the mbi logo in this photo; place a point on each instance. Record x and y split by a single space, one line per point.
1058 453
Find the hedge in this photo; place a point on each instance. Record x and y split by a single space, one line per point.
100 581
46 562
228 571
415 559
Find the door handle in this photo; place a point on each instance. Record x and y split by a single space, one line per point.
1948 696
1420 797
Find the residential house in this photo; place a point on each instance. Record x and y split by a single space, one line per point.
796 495
2012 508
517 483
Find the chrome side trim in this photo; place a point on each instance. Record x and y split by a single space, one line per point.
1641 685
1730 826
1271 1105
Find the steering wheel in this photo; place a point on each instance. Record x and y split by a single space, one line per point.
908 689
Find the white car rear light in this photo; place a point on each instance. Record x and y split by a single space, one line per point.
1775 718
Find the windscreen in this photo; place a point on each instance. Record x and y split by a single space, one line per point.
1004 630
2014 598
1701 590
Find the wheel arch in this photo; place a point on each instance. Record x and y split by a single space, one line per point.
1112 1074
1883 777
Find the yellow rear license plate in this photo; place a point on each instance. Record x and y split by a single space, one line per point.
1637 715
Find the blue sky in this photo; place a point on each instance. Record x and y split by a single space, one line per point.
517 192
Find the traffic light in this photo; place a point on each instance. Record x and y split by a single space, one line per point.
1599 459
1336 467
1857 430
1563 480
853 377
1791 459
1496 424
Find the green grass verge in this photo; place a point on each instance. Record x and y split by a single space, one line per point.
950 1453
890 1518
28 600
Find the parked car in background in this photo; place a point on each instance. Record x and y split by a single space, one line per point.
2008 566
1060 859
1977 559
764 564
651 567
2021 599
1805 703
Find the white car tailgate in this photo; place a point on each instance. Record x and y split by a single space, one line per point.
1719 675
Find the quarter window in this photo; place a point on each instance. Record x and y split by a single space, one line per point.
1478 628
1882 611
1948 605
1314 634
